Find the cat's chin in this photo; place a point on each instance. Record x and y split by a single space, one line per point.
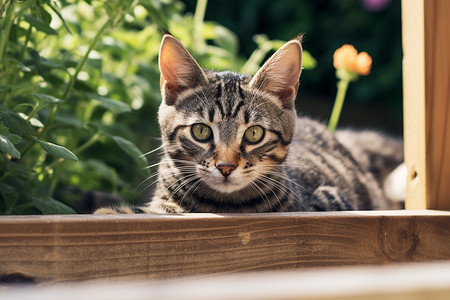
226 186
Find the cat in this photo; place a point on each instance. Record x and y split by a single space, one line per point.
233 143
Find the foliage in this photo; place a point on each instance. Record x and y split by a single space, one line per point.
326 26
79 91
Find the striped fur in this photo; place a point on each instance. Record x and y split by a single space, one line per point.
298 165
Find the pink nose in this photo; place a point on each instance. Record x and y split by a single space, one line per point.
226 168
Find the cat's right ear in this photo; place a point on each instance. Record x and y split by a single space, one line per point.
280 74
179 70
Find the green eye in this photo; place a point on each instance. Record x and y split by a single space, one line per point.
201 132
254 134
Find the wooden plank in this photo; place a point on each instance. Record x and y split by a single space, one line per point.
417 195
426 73
412 281
437 95
84 247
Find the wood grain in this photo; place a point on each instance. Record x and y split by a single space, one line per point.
437 95
413 20
66 248
426 82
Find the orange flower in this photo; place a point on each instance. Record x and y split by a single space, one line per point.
347 58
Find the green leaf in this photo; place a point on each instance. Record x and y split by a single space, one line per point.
111 104
8 147
20 65
132 150
15 139
48 206
59 16
43 62
308 62
45 99
57 150
3 128
33 121
155 14
98 167
39 25
69 120
9 195
16 124
226 39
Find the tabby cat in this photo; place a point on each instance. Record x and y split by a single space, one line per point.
233 143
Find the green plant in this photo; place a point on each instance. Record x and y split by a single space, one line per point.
79 91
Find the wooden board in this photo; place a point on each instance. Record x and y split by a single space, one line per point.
398 282
437 95
84 247
426 76
414 104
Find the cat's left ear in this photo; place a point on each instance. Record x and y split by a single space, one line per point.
281 72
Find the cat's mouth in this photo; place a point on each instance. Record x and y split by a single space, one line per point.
225 184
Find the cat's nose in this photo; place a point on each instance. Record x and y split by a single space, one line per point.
226 168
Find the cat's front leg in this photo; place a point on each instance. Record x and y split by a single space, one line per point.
328 198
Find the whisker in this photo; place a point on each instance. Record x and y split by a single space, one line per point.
283 176
261 192
152 151
289 165
182 169
282 187
199 180
169 160
163 177
178 188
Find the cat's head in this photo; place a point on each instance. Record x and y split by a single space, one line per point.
229 128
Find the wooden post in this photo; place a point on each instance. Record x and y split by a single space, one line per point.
426 77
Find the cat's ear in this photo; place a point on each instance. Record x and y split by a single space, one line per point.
179 70
281 72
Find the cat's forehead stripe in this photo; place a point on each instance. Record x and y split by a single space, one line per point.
236 110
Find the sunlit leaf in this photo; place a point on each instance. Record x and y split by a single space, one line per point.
19 64
57 150
16 124
33 121
43 62
308 61
56 11
39 25
43 98
111 104
155 14
8 147
226 39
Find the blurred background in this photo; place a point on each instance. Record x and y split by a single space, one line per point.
79 84
373 26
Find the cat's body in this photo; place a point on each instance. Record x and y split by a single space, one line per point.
233 143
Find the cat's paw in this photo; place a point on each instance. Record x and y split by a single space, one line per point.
394 186
120 210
